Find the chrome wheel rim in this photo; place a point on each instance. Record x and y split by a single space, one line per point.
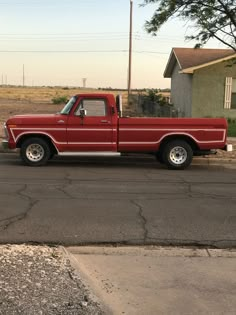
178 155
35 152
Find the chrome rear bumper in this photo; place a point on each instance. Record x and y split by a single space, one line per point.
228 148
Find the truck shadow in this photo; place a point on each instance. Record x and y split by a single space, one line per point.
123 161
132 161
139 162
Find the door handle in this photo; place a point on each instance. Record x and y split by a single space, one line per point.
61 121
105 122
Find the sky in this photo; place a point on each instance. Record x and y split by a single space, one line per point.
60 42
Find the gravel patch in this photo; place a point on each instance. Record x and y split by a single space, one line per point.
40 280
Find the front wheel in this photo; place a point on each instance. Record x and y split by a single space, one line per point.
177 154
35 152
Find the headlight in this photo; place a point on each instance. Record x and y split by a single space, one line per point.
5 131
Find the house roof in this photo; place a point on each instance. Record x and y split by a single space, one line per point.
190 59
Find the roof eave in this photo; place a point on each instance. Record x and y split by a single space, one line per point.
170 64
192 69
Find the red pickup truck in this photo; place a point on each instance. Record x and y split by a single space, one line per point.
92 124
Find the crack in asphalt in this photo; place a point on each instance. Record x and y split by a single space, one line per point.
6 223
213 196
67 182
63 190
143 219
192 194
188 185
223 243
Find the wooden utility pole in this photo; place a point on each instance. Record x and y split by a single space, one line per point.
130 46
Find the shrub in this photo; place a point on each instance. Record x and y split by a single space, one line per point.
231 127
60 100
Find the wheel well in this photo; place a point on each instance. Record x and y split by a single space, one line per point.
44 137
187 139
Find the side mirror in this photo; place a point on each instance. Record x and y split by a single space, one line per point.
82 112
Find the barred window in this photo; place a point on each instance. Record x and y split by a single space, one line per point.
230 93
233 94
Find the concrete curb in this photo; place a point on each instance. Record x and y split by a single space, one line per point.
213 161
151 250
7 150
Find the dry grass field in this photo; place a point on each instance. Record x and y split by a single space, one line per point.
23 100
45 94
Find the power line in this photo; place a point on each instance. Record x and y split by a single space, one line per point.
30 3
66 39
84 51
87 37
80 33
94 34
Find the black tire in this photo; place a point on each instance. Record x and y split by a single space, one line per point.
51 156
35 152
159 157
177 154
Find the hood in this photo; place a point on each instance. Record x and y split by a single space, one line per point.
39 119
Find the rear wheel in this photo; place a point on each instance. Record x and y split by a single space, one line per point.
35 152
177 154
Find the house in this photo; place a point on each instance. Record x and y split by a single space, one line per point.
203 82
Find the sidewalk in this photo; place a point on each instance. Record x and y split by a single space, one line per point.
155 280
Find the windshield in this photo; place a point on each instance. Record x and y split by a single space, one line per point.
68 106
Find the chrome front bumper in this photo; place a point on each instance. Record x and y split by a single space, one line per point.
5 144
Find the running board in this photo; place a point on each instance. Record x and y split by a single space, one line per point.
99 153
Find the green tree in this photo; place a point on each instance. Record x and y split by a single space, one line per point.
154 97
211 18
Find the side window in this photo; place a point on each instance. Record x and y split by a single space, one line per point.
93 107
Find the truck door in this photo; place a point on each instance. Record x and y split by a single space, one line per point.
93 130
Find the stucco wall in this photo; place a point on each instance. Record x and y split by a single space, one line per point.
209 91
181 92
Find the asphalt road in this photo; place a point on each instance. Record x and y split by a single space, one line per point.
116 200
